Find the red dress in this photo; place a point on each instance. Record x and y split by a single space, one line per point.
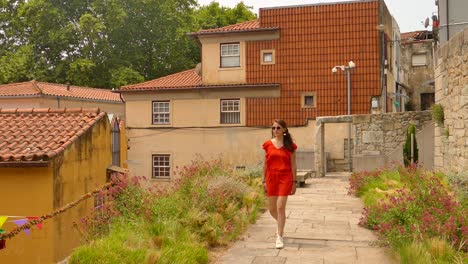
278 169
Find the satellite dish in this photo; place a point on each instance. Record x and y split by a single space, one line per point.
426 23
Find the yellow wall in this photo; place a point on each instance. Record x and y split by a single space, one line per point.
37 191
123 147
239 146
27 192
83 169
212 73
111 108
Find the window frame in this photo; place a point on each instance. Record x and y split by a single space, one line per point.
221 111
153 112
419 55
306 94
221 54
153 167
262 55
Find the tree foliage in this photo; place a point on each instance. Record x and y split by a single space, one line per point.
104 43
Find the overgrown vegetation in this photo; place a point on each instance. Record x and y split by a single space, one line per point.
207 207
407 147
417 212
438 114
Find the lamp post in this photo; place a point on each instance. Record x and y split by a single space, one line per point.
347 69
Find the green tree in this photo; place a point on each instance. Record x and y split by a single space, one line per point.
407 146
214 15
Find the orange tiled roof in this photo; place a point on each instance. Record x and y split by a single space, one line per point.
33 88
253 25
415 36
188 78
36 135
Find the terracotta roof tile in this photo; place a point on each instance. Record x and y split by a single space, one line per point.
33 88
416 36
40 134
188 78
253 25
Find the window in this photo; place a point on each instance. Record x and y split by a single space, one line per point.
161 166
308 100
230 111
419 59
115 143
267 57
161 113
230 55
427 100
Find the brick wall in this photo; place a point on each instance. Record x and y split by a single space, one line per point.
451 73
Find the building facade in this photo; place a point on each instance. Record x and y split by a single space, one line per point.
49 158
276 67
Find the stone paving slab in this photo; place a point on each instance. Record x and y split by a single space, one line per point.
321 228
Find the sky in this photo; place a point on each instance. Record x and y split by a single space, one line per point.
410 14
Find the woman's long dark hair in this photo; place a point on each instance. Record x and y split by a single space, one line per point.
287 138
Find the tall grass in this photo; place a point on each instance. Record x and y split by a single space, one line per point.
208 206
416 212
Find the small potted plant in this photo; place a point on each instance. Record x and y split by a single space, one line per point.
2 241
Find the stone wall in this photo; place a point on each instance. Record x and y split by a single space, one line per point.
451 71
417 78
381 134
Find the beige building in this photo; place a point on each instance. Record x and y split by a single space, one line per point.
35 94
252 73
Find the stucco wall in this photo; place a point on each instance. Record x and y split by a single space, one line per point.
27 192
417 77
451 139
49 102
80 169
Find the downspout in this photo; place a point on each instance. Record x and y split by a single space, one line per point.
447 19
383 91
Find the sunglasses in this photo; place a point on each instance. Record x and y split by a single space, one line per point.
275 128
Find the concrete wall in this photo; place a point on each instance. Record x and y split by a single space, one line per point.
417 77
453 18
451 138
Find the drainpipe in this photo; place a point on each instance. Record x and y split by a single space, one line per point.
447 19
382 41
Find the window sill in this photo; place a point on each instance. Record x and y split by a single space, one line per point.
229 68
161 179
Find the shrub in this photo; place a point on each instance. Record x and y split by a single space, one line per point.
419 215
437 111
407 146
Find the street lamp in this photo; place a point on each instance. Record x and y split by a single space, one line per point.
351 65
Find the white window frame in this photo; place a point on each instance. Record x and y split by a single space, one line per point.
230 107
303 99
229 50
157 169
262 57
166 119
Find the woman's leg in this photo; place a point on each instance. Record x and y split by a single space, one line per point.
281 213
272 202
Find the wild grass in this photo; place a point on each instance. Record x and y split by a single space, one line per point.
207 207
418 213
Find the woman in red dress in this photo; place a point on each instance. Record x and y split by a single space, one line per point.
279 174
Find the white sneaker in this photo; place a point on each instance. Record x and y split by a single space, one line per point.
279 242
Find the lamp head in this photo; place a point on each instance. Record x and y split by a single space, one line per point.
334 70
351 64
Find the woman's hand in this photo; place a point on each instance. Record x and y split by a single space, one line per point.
293 190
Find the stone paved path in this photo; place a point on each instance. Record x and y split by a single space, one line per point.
321 227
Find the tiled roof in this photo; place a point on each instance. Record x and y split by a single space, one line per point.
188 78
33 88
416 36
37 135
253 25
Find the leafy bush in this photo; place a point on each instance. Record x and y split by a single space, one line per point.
407 146
417 210
207 206
438 114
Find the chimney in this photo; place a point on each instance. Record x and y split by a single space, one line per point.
68 87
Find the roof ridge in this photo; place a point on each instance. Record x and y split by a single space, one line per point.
49 110
34 85
160 78
76 86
